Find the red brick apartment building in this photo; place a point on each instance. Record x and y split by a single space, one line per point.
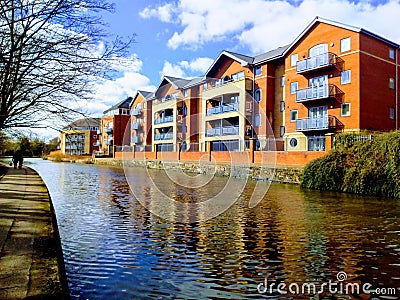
141 121
332 78
115 125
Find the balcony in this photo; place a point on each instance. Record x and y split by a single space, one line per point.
222 131
136 125
136 140
318 62
225 108
327 91
164 136
163 120
109 142
136 112
312 124
109 130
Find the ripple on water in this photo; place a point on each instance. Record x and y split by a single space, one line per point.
115 249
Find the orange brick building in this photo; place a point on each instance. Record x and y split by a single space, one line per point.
332 78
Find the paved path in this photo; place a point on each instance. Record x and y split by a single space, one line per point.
31 264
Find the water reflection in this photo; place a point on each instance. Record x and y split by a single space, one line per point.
115 248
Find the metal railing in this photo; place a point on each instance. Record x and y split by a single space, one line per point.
136 111
163 120
164 136
315 62
225 108
136 125
322 123
221 131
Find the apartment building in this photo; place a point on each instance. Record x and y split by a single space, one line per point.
80 137
332 78
175 110
115 127
338 78
141 120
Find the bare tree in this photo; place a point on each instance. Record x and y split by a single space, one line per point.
51 52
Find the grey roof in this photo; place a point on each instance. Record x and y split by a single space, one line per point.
122 104
85 122
270 55
193 82
240 57
178 83
146 95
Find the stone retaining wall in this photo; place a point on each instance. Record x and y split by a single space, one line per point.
255 172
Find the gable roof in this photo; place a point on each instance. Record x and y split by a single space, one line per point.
318 20
85 122
146 95
122 104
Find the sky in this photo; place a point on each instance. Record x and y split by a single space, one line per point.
182 38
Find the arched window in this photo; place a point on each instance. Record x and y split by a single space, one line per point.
318 50
257 95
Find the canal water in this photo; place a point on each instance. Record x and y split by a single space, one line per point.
115 248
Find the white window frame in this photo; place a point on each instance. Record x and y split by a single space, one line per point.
282 106
258 91
205 86
185 92
282 130
283 81
257 120
392 113
341 109
294 115
391 53
391 83
258 71
345 79
292 85
345 44
294 58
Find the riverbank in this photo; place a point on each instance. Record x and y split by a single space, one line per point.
31 259
255 172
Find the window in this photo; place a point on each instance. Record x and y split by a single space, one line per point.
205 86
391 83
237 76
257 120
258 71
345 109
283 81
345 45
293 115
391 53
282 131
185 93
257 95
293 60
392 113
345 77
316 143
94 136
293 87
282 106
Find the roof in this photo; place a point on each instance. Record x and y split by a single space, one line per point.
270 55
340 25
193 82
122 104
146 95
85 122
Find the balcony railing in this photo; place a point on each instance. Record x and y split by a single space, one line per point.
96 144
322 123
164 136
136 125
136 111
225 108
326 91
136 140
164 120
109 130
320 61
221 131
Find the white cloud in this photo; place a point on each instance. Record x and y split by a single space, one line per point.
262 25
186 69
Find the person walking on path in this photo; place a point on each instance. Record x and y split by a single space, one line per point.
18 159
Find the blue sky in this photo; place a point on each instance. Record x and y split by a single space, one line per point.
181 38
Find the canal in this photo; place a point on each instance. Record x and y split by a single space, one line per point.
115 248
